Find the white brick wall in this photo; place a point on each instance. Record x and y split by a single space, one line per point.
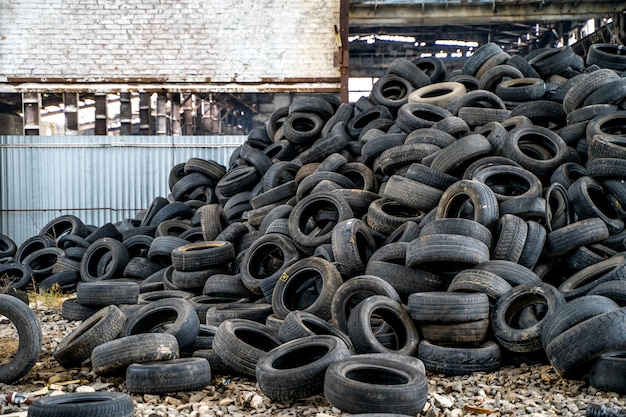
167 40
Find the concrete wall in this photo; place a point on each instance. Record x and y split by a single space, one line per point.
186 41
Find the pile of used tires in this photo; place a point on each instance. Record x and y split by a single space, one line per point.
449 222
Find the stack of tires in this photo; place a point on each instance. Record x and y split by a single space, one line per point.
464 219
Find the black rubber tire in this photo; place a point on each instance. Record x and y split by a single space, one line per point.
480 56
160 251
413 116
406 280
238 310
391 91
302 128
15 276
477 280
458 226
523 340
575 235
580 283
41 262
352 292
483 202
409 71
175 316
520 146
31 245
589 199
29 345
515 274
460 359
241 343
578 93
104 293
116 355
83 404
606 55
608 372
455 333
62 225
378 383
511 233
395 158
95 252
353 244
448 307
202 255
307 285
308 209
160 377
534 244
299 324
71 310
509 182
447 253
209 168
101 327
574 312
175 210
572 352
396 319
521 89
385 215
296 369
615 290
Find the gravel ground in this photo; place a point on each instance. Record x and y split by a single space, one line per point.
525 390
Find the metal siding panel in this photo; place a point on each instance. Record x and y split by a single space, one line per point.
98 179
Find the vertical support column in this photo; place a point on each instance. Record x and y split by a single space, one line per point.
70 109
144 114
161 114
188 127
31 105
176 126
101 114
344 9
126 115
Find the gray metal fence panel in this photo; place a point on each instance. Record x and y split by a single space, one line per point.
99 179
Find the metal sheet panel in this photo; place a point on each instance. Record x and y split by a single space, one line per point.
99 179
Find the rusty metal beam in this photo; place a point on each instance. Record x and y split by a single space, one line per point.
101 127
364 14
344 48
31 105
116 86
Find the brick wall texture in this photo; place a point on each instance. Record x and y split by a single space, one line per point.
167 40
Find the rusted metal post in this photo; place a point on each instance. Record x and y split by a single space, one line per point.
344 48
126 115
31 105
70 109
176 128
101 114
145 127
188 126
161 115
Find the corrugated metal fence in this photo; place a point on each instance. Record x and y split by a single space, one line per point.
99 179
